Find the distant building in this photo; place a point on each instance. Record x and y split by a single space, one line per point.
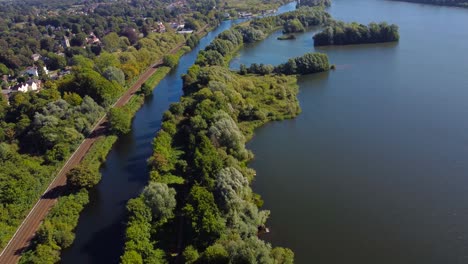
30 85
177 26
66 42
160 28
35 57
33 71
92 39
185 32
245 14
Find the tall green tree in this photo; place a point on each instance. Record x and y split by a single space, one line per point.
120 121
171 61
83 177
146 89
206 221
161 199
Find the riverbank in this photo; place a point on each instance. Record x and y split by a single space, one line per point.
75 253
187 200
287 37
200 221
125 173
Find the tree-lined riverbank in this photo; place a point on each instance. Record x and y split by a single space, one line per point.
198 206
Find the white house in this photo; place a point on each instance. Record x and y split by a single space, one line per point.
185 32
36 57
30 85
33 85
177 26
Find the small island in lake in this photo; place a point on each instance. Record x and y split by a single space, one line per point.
340 33
286 37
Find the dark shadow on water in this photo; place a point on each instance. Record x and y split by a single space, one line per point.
316 76
136 168
356 47
145 136
156 123
138 158
123 202
136 178
110 237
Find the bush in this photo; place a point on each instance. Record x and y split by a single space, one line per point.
293 26
146 89
171 61
190 255
82 177
120 121
306 64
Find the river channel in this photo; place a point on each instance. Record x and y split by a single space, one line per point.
101 228
375 168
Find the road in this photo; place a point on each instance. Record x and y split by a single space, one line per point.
26 231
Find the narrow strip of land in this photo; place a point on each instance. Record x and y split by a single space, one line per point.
25 232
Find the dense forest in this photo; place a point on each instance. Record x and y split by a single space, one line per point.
199 202
340 33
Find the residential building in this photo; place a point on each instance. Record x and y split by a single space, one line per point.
30 85
36 57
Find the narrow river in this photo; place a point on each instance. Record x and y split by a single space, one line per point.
100 232
375 169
